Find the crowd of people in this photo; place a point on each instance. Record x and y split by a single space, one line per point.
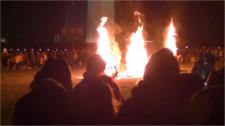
194 54
164 96
28 59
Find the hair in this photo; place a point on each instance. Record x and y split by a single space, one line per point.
58 70
95 64
162 66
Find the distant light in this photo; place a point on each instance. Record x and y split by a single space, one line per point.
205 83
205 63
10 49
5 50
18 50
3 40
32 49
65 49
203 47
48 49
39 49
56 49
186 46
25 50
219 47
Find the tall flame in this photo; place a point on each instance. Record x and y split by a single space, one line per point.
136 57
171 41
104 48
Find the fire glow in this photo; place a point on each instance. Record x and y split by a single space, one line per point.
104 49
136 56
171 41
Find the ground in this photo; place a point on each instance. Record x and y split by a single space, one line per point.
14 84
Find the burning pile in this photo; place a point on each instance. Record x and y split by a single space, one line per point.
104 49
136 56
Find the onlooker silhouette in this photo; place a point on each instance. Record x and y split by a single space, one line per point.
59 70
206 106
205 65
154 100
47 101
92 98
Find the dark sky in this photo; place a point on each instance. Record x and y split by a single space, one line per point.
25 23
28 23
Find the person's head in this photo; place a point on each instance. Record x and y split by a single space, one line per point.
58 70
162 67
95 64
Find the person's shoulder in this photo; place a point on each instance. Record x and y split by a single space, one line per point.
130 111
132 104
24 100
51 83
105 78
49 89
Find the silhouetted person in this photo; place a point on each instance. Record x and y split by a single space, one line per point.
198 67
5 57
206 106
154 100
205 65
188 85
92 98
59 70
47 101
93 65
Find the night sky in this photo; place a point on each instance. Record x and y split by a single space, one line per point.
25 23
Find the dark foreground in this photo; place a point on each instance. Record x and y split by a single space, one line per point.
15 84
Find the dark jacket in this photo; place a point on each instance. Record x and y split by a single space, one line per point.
91 102
43 105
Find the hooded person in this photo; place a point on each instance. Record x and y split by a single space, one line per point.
47 101
59 70
96 89
154 99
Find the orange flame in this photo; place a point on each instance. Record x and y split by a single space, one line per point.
171 41
104 49
136 57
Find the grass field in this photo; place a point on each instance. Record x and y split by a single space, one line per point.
14 84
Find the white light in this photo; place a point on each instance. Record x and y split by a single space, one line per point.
32 49
48 49
205 83
11 49
56 49
186 46
25 50
219 47
18 50
39 49
65 49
